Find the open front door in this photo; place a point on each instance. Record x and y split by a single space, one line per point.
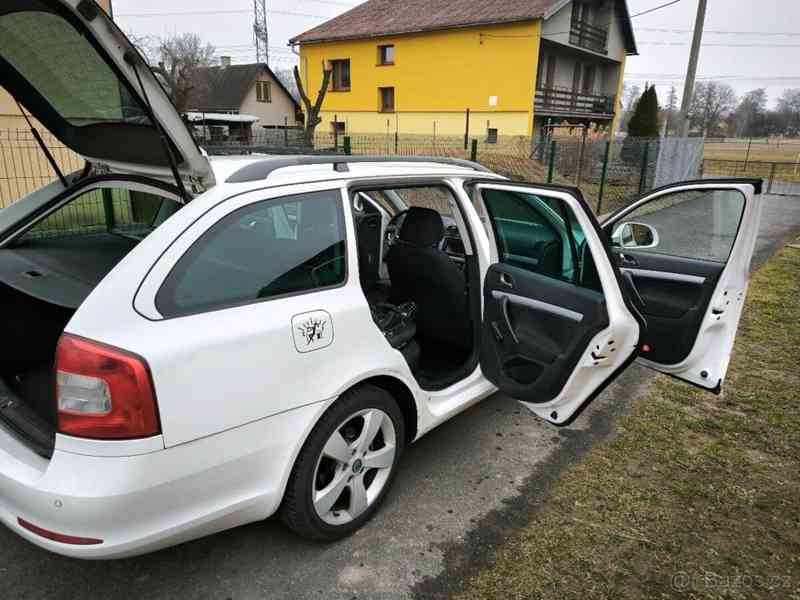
556 326
686 250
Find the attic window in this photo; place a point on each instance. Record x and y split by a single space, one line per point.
264 91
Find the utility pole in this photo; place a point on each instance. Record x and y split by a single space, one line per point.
260 31
691 72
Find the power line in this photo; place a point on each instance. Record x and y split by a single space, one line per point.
721 31
718 45
645 12
215 12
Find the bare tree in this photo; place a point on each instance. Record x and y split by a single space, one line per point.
789 111
711 101
179 57
312 110
671 110
286 77
749 118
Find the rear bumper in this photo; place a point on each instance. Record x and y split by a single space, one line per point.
137 504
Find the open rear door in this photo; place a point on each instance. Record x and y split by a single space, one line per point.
686 250
556 325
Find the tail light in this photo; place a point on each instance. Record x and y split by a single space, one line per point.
103 392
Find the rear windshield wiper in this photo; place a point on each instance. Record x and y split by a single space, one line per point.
41 143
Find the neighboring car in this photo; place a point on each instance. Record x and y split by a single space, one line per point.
195 344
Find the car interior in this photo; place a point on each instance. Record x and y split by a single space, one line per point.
415 275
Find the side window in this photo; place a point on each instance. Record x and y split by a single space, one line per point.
698 224
108 210
536 234
283 246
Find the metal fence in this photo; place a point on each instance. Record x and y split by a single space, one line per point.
609 173
780 178
24 167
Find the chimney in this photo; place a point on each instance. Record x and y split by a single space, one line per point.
225 61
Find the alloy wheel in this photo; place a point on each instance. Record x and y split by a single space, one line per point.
354 466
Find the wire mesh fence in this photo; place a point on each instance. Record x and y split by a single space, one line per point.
24 167
609 173
780 178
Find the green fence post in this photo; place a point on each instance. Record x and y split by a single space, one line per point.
643 175
551 167
108 209
473 153
348 149
603 176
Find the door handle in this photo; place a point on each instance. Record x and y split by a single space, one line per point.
504 303
628 260
507 280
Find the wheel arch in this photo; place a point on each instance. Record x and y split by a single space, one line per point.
404 398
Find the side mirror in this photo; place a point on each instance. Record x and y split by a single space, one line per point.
635 235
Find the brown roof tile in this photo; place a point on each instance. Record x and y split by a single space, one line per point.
388 17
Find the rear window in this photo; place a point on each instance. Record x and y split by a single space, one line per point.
117 211
66 69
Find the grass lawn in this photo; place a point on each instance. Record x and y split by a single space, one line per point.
695 496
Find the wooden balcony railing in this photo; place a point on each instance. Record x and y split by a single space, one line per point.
588 36
565 101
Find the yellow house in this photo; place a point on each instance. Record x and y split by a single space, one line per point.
416 66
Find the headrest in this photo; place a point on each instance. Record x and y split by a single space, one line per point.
422 227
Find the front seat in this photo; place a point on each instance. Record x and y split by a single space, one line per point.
421 272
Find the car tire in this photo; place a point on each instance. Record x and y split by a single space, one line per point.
308 482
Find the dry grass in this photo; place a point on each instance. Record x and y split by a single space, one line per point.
788 152
695 497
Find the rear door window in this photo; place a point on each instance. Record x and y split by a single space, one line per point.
269 249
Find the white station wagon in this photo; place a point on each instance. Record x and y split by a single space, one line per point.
190 344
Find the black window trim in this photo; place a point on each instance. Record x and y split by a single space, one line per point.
165 314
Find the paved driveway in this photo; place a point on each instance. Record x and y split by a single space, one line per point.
458 491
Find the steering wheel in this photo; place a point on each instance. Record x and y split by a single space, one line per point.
393 227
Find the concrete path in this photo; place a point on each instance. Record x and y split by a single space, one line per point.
459 491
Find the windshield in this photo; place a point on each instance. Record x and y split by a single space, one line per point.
66 69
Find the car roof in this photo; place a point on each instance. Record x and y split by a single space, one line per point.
285 170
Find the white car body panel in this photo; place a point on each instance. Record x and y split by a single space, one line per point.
236 397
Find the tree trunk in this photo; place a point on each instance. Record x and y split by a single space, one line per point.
312 110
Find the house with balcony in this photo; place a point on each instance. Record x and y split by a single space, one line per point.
521 66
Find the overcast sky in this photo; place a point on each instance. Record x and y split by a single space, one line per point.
746 41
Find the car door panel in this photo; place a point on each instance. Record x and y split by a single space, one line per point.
550 337
676 292
541 327
692 273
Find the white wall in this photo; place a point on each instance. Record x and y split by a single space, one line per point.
269 113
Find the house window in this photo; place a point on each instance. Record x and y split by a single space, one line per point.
491 135
264 91
386 55
338 127
387 99
341 75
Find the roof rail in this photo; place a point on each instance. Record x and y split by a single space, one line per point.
262 169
